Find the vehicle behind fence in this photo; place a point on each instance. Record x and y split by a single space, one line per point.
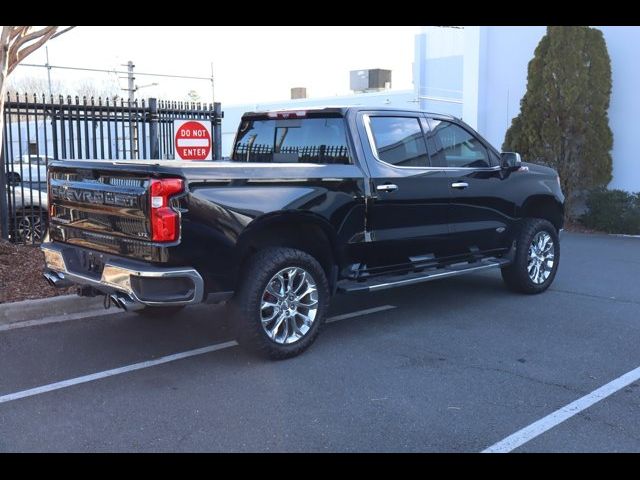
38 130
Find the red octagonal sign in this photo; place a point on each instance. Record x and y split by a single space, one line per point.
192 139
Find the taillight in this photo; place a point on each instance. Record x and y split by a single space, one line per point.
165 222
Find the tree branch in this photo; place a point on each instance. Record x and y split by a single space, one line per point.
22 54
63 31
25 38
15 31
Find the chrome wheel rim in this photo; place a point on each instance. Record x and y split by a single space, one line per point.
289 305
541 258
30 228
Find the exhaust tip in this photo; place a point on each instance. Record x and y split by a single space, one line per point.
125 302
115 300
56 280
47 277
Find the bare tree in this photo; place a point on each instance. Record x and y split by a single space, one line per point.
193 96
93 88
32 84
86 87
16 43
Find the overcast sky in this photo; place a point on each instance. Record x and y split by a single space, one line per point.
251 64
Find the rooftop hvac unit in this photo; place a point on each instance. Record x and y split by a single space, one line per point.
370 80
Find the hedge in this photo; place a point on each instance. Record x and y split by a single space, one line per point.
613 211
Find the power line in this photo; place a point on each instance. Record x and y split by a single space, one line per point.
113 71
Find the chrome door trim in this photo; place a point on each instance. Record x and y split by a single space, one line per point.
374 151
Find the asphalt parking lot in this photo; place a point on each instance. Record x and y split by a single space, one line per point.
455 365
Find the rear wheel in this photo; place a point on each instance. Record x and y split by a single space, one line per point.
536 260
281 303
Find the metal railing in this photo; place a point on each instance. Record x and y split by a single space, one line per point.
38 130
262 152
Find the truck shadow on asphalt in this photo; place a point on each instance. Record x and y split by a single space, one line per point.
210 324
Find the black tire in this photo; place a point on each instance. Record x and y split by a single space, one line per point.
245 306
29 226
516 275
13 178
160 312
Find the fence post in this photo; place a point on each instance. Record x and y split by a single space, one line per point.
217 130
54 132
154 140
4 208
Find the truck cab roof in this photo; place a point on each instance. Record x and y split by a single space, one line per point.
341 110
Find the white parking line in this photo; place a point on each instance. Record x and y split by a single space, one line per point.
345 316
59 319
111 311
159 361
116 371
538 428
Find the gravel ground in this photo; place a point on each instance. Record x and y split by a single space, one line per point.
21 278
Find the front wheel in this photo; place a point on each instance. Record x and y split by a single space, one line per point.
281 302
536 259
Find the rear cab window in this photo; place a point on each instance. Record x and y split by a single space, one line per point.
292 140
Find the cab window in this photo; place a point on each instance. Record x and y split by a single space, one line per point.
451 145
399 141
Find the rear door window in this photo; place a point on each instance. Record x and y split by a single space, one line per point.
399 141
306 140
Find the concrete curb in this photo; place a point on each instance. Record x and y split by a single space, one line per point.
36 309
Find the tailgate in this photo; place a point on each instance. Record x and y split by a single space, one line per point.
106 209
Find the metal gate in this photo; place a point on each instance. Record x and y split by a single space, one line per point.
38 130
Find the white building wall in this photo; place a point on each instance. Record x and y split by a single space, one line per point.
623 44
438 63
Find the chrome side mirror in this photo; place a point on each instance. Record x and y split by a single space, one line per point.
510 160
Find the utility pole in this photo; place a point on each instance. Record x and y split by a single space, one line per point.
131 81
133 130
213 93
46 49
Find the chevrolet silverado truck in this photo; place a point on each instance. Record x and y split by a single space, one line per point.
311 203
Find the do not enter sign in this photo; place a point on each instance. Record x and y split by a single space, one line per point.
192 139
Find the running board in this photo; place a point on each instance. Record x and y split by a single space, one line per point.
392 281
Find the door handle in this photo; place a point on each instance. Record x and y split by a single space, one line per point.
387 187
459 185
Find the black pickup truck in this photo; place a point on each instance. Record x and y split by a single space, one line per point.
310 203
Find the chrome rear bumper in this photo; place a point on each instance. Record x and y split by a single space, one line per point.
135 279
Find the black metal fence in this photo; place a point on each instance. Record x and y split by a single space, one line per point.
38 130
262 152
